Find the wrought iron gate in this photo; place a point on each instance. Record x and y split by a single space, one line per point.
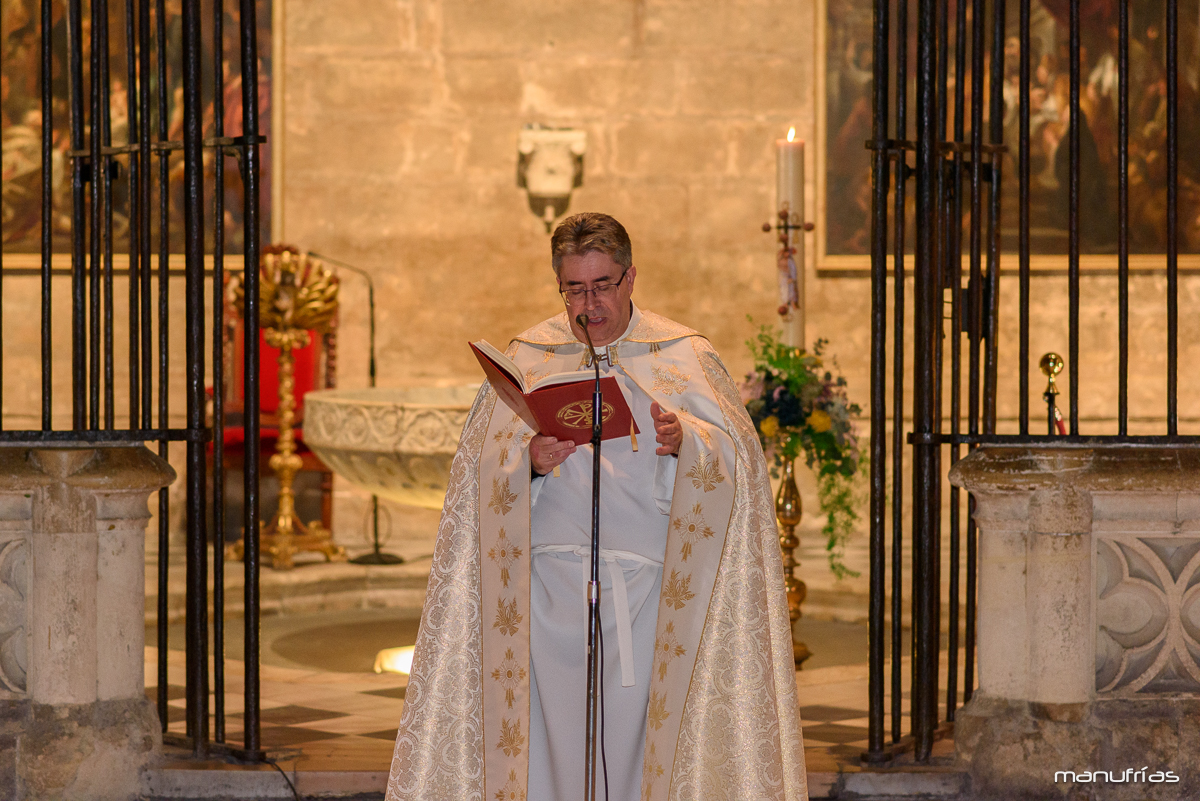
957 175
98 165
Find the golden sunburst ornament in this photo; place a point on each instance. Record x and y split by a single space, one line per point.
691 529
666 650
504 554
509 675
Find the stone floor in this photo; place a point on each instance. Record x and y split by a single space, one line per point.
330 724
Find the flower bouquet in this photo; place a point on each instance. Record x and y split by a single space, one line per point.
797 405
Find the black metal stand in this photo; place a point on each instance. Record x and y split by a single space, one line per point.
377 556
593 595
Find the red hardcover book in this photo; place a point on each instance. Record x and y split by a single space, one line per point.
558 405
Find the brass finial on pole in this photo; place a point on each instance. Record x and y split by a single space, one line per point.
1052 364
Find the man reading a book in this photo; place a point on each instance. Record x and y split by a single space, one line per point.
699 694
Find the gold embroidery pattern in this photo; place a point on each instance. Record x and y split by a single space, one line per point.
511 740
670 381
512 790
509 675
508 437
508 619
504 554
658 713
502 498
667 650
691 528
549 353
700 428
706 474
677 592
653 770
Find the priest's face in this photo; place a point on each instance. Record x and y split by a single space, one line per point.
595 285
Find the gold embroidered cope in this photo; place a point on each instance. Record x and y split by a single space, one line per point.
723 686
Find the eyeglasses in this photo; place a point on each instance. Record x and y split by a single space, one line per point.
573 296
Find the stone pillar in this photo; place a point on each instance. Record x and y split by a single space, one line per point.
74 719
1089 623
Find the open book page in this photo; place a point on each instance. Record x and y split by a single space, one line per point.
502 362
562 378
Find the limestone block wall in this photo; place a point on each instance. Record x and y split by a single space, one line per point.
397 152
74 720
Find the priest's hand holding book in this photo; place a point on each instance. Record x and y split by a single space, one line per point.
547 453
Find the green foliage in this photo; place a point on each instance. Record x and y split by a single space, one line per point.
798 406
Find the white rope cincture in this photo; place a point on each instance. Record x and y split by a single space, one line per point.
612 559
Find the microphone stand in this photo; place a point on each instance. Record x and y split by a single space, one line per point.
377 556
593 594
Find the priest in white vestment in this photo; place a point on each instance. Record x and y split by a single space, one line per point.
699 684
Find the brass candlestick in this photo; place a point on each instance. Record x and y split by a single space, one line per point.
788 513
297 294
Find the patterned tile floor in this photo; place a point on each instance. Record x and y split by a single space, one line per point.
323 722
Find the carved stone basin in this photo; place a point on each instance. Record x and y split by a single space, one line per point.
395 443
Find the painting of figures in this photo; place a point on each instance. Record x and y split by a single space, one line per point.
847 113
21 114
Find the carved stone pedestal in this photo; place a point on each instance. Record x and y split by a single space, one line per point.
74 719
1089 624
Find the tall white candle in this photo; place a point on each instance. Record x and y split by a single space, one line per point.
789 198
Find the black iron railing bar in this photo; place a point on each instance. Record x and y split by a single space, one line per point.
116 435
250 185
1073 221
991 327
136 322
218 374
100 60
925 461
160 31
879 255
144 210
193 232
96 229
1172 37
1023 212
78 224
1123 218
957 322
948 277
47 241
898 367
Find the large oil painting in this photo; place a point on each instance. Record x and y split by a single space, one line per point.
21 116
847 86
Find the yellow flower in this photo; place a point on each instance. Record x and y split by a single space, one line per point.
819 421
769 427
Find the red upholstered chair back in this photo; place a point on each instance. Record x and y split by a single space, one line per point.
310 373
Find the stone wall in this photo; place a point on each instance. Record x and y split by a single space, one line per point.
398 153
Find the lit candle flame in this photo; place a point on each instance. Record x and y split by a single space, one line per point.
792 134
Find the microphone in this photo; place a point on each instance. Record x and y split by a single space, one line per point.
582 321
